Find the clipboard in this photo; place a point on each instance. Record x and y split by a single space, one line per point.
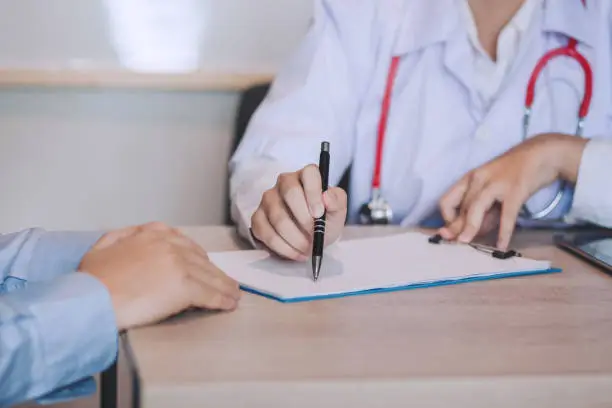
393 263
494 252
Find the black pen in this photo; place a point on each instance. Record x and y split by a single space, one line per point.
318 240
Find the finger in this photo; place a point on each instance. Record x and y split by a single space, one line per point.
266 234
284 224
183 242
173 234
511 208
157 226
479 180
115 236
313 189
451 201
336 203
190 243
206 297
445 233
452 231
291 190
491 221
160 229
476 213
207 273
195 258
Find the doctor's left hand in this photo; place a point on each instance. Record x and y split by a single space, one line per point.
496 191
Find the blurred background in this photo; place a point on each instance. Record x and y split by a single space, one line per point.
116 112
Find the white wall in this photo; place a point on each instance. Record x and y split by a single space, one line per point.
151 35
78 159
83 159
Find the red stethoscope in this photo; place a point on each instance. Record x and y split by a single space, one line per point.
378 210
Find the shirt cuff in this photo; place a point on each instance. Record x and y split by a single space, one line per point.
57 253
593 195
242 218
80 389
75 321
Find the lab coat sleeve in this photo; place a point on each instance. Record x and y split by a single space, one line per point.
49 347
593 191
315 98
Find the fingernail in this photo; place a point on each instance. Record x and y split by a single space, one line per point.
317 210
237 294
229 303
464 238
445 232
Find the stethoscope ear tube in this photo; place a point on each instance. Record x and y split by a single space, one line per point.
572 52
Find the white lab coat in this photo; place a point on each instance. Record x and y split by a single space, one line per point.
439 128
593 196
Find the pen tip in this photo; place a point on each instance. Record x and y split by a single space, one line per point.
316 267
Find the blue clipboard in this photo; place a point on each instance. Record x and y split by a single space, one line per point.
406 287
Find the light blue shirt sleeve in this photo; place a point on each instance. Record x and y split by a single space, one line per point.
57 326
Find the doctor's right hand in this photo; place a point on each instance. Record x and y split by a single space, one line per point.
284 221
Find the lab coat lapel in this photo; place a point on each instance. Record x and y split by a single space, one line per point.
437 22
458 62
571 19
425 23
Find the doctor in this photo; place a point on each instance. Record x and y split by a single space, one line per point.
413 95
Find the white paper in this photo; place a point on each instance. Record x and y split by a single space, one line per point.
367 264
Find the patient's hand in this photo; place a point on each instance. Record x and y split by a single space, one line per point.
153 272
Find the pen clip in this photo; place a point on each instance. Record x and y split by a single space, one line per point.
494 252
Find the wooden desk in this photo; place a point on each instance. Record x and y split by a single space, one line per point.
543 341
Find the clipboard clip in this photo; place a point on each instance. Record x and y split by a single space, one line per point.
494 252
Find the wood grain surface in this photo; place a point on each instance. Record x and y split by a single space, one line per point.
534 341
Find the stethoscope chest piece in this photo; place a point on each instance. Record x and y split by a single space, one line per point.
376 212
